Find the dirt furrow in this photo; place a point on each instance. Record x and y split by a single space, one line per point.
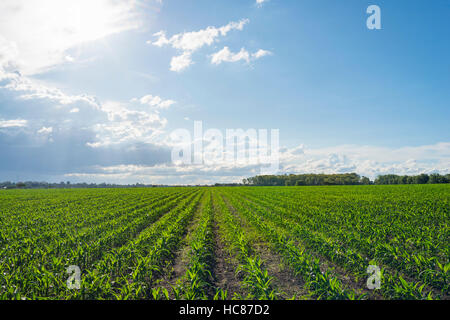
345 277
173 275
224 266
284 281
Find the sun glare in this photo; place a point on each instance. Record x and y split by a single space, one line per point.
48 28
86 20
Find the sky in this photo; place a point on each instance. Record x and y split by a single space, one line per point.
90 91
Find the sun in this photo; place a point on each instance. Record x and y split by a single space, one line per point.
49 28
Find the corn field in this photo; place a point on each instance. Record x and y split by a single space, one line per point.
221 243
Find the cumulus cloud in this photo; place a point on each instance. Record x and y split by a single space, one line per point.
107 124
369 161
181 62
297 150
189 42
18 123
89 132
13 79
125 126
30 89
110 123
109 134
194 40
259 3
45 130
225 55
156 103
261 53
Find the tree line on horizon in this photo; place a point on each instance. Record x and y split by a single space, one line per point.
264 180
342 179
68 185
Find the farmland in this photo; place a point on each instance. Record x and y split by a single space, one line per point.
226 243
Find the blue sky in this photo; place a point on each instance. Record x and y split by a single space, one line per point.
73 79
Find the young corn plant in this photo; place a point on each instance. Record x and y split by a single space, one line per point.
256 280
198 274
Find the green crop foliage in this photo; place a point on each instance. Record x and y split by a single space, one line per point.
124 241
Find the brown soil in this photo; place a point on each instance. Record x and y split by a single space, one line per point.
224 266
346 278
284 281
174 273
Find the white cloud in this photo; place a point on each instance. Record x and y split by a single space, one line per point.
189 42
181 62
162 39
128 126
368 160
225 55
32 89
261 53
194 40
365 160
13 123
45 130
298 150
259 3
36 36
111 123
41 31
155 102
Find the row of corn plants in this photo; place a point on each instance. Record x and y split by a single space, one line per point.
356 254
394 285
198 274
322 285
256 280
31 271
429 259
129 271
